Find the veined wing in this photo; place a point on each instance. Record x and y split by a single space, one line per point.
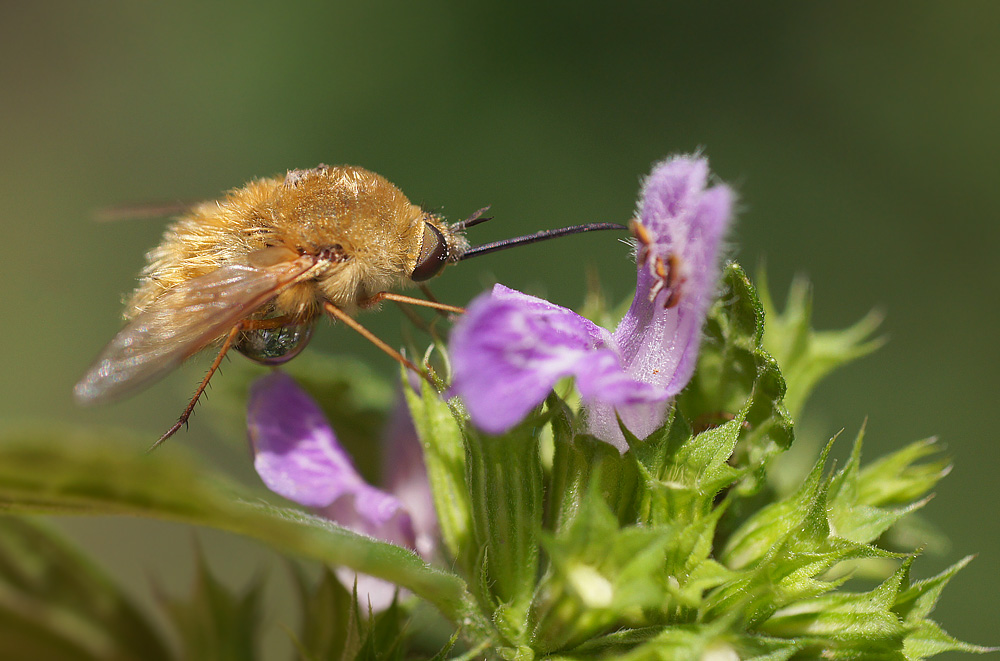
180 322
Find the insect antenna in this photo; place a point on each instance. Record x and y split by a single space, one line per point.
473 220
538 236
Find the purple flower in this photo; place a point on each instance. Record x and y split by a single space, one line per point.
510 349
297 456
680 229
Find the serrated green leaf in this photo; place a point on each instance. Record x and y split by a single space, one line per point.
691 469
690 568
852 517
734 369
383 639
916 601
88 474
696 642
784 550
214 623
55 604
848 625
772 525
898 478
805 355
928 639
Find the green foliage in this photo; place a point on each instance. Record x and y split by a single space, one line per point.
56 605
214 623
335 626
504 478
677 548
736 372
94 475
441 427
806 355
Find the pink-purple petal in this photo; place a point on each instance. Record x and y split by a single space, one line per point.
297 456
510 349
659 345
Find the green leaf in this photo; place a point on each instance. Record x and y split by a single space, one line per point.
805 355
846 620
599 575
383 640
733 370
330 623
214 623
916 601
928 639
772 525
685 472
856 494
581 463
336 627
898 479
695 642
90 474
784 550
441 435
505 493
55 604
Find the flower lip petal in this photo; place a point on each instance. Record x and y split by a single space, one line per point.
510 349
297 456
295 450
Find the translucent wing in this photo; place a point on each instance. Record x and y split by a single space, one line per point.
179 323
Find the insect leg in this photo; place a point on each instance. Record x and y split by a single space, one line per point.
226 345
426 291
340 315
399 298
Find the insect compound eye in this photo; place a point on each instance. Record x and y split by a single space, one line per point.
274 346
434 254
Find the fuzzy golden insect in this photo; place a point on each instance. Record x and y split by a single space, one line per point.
255 270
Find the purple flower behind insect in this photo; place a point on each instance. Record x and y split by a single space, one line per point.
297 456
510 349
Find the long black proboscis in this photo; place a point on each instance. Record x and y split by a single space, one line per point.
538 236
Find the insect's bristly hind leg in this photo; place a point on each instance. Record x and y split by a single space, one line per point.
340 315
181 421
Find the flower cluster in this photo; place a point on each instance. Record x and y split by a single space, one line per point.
639 522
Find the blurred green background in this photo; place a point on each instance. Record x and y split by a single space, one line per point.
863 140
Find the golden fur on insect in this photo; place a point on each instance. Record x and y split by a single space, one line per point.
358 213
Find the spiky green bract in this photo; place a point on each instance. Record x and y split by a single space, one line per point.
335 626
806 355
736 372
213 622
